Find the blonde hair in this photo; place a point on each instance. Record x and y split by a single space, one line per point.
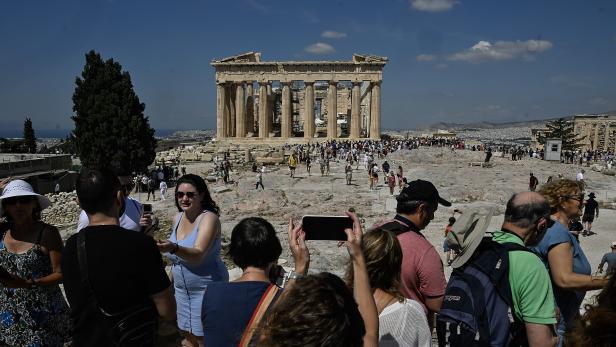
383 261
554 191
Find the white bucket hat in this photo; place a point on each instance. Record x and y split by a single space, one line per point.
22 188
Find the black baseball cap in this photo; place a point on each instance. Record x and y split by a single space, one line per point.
422 191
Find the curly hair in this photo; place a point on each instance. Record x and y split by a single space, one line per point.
207 203
319 310
383 261
597 327
555 190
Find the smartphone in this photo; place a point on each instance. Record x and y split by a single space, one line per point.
326 227
147 208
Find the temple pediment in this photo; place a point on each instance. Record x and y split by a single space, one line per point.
248 57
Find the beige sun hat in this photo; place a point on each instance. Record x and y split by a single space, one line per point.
466 234
22 188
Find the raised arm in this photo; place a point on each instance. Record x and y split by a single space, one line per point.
361 285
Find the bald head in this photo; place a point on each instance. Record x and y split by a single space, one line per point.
526 208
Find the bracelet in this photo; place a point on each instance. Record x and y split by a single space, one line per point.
177 247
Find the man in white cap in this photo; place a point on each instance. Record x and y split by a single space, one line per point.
610 259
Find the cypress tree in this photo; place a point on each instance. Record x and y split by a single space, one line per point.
562 129
110 127
29 138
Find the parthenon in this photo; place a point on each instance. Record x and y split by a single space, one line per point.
298 99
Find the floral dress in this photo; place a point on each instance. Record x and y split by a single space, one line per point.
31 317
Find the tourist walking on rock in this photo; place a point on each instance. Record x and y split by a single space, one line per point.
163 190
449 253
194 252
402 321
292 164
580 178
308 164
488 155
391 183
400 175
561 252
229 306
610 259
109 270
33 311
151 188
533 182
348 172
259 180
422 278
591 211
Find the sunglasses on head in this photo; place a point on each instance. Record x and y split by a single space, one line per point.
189 195
18 199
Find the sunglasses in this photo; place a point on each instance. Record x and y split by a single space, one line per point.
579 198
189 195
18 199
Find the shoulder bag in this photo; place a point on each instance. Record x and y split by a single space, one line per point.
135 326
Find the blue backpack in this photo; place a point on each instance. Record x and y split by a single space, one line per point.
478 308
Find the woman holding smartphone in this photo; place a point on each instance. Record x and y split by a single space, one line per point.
33 311
194 250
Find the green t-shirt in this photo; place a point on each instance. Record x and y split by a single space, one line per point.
531 288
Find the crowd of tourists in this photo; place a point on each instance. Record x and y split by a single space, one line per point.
520 285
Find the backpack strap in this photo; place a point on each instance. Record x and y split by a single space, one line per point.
395 227
262 307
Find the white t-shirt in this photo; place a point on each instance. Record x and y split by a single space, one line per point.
129 220
162 185
404 324
579 177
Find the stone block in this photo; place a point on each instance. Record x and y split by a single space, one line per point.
221 189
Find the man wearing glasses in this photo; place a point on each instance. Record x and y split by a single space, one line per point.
131 214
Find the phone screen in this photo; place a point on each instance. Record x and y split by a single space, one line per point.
326 227
147 208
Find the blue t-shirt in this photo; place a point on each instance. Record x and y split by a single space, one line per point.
227 309
567 301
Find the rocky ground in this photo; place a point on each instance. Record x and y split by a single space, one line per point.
465 186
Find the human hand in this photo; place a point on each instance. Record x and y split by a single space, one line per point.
354 237
165 246
146 220
297 245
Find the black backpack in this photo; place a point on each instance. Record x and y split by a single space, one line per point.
478 307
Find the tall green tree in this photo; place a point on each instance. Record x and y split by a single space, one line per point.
110 127
562 129
29 138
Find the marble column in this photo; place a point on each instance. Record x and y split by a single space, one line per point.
240 110
355 110
595 144
286 121
332 110
232 113
227 111
264 129
250 108
375 111
221 119
309 110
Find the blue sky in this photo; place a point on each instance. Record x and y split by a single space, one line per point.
454 61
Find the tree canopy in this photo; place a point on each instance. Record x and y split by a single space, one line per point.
110 127
562 129
29 138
